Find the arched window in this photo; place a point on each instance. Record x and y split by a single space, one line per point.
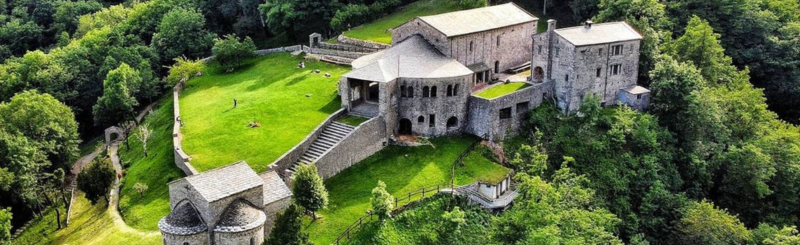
452 122
433 91
186 243
470 46
410 92
497 67
421 119
449 90
252 241
455 90
426 92
402 91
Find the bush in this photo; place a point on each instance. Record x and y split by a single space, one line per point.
382 201
96 180
230 52
183 69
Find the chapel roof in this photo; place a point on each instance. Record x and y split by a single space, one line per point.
240 216
224 181
182 220
478 19
599 33
635 89
274 187
411 58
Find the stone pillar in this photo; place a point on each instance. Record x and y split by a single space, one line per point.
314 39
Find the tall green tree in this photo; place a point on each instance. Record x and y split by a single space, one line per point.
703 223
288 228
182 32
298 18
183 69
96 179
309 190
116 104
231 52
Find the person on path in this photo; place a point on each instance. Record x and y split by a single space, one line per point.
234 102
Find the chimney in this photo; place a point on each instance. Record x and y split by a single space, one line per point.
588 24
551 25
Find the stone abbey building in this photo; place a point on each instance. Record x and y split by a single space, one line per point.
428 83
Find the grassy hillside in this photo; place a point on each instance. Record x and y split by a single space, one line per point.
377 31
287 101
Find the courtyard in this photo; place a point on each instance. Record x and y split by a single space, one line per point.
287 102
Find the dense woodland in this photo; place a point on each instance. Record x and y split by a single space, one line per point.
714 161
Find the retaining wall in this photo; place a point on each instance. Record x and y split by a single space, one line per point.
346 54
484 114
282 163
365 140
350 48
181 158
363 43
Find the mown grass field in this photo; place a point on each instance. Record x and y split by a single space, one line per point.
501 89
287 101
403 169
377 31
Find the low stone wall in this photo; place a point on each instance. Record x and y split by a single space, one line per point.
365 140
278 50
350 48
282 163
181 158
363 43
320 51
484 114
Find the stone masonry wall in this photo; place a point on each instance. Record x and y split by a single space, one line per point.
443 107
181 158
484 114
282 163
588 59
365 140
271 210
418 27
340 53
350 48
252 236
198 239
363 43
514 48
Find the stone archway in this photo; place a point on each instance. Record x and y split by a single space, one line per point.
114 130
538 74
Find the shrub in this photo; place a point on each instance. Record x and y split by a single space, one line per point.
230 52
382 201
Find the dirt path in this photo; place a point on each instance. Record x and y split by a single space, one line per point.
113 207
70 182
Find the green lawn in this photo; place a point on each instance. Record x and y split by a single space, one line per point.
270 90
89 225
155 171
351 120
403 169
377 30
478 167
502 89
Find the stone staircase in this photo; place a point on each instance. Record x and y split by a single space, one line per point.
331 135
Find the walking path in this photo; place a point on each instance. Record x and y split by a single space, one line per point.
113 207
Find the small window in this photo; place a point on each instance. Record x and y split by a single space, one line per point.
566 78
452 122
522 107
505 113
252 241
470 46
421 119
498 40
615 69
598 71
186 243
426 92
449 90
583 54
616 50
432 121
540 49
433 91
600 52
638 96
402 91
410 92
557 51
455 90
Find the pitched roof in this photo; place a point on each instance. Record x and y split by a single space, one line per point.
635 89
240 216
411 58
479 19
222 182
274 187
599 33
183 220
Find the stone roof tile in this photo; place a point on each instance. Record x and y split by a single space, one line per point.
274 187
479 19
599 33
222 182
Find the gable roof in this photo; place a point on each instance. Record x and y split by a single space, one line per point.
274 187
479 19
599 33
412 58
224 181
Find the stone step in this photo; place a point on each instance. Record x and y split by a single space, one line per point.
327 141
341 125
314 153
317 148
334 133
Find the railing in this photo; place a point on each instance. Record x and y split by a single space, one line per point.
460 161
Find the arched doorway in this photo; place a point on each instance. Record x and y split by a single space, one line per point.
538 74
373 92
497 67
452 122
115 131
405 127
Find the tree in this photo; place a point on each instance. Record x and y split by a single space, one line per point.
127 127
230 52
143 134
288 228
182 32
95 181
451 227
5 224
702 223
309 190
116 104
298 18
700 46
183 69
382 201
141 188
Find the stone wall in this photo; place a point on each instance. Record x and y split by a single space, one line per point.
199 239
182 160
340 53
484 114
583 77
365 140
363 43
418 27
278 50
253 236
349 48
282 163
272 210
443 107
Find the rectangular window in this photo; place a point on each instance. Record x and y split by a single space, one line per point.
432 120
616 50
505 113
540 49
522 107
638 96
600 52
498 40
615 69
566 78
598 71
